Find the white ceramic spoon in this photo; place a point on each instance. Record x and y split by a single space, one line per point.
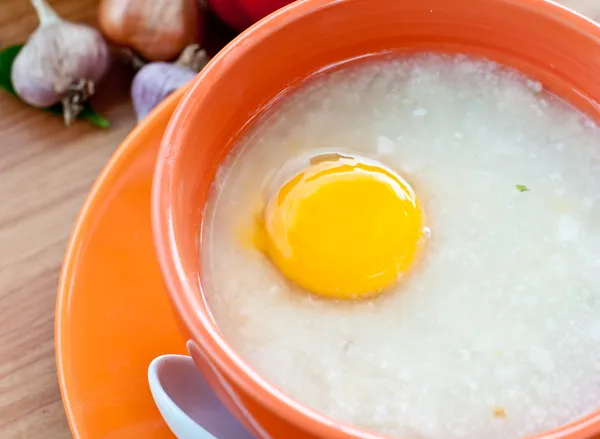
187 403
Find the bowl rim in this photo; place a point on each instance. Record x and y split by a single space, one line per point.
180 288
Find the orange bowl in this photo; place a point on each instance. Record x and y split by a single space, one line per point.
550 43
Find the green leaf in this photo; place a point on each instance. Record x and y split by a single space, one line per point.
92 117
522 188
7 58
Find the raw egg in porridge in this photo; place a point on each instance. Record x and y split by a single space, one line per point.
411 245
344 227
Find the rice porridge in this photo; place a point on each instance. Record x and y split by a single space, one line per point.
495 333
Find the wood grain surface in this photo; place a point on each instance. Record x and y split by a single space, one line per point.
46 171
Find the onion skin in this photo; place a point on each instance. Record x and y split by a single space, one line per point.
158 30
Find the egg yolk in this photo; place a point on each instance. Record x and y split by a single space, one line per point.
343 229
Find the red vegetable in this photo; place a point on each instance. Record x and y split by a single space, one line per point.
231 13
240 14
258 9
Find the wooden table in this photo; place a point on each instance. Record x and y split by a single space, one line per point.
46 171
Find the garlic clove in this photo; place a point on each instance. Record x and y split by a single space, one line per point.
154 82
56 56
158 30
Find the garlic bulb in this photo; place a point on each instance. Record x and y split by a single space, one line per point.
158 30
155 81
61 62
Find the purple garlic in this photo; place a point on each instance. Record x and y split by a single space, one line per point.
157 80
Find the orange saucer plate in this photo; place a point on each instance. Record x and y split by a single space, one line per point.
113 314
